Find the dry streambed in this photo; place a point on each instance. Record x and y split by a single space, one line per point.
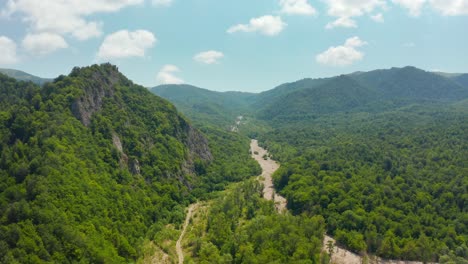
269 166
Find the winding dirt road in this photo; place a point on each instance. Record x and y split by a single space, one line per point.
180 252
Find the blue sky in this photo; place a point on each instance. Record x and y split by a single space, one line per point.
246 45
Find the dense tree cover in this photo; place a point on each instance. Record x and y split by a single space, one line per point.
72 191
380 154
242 227
203 106
214 113
373 92
64 196
232 161
393 184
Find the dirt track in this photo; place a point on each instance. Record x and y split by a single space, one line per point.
180 252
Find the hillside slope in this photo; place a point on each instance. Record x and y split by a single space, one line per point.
90 165
337 94
202 105
23 76
411 83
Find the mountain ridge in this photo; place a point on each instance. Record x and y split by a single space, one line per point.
24 76
372 91
91 163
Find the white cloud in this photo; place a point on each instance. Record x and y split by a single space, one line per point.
297 7
65 16
7 51
166 75
162 2
343 55
450 7
414 6
125 44
266 25
43 43
344 10
378 18
209 57
345 22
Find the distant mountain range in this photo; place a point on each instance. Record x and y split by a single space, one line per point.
372 91
23 76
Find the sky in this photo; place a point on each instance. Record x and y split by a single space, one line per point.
241 45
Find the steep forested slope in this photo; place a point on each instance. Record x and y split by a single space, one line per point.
89 166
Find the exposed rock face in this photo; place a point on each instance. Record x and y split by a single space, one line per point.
99 85
135 167
102 86
198 144
198 148
118 145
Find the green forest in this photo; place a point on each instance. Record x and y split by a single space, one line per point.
97 169
242 227
380 155
74 189
394 185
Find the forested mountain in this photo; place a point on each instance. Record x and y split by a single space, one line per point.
93 167
267 97
337 94
23 76
93 164
202 105
461 79
411 83
381 175
374 91
381 155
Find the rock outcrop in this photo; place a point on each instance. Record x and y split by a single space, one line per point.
101 86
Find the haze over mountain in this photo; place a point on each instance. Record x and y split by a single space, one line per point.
199 104
372 91
23 76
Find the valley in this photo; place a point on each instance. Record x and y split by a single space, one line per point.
269 166
233 132
376 160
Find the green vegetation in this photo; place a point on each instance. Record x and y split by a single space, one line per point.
205 106
92 166
23 76
381 155
242 227
392 184
232 161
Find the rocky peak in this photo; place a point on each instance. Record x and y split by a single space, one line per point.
100 82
